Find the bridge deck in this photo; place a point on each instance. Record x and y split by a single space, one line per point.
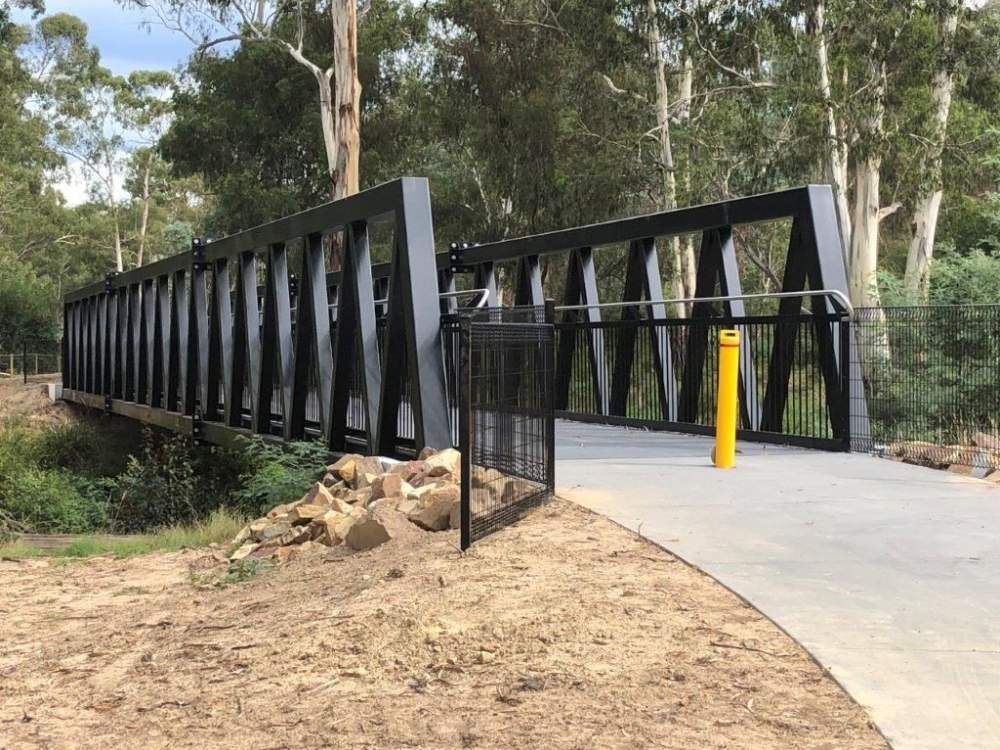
888 573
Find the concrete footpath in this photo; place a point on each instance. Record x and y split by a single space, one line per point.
888 573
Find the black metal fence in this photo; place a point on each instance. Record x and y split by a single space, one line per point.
662 373
506 419
930 378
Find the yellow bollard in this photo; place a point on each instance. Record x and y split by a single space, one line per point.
724 454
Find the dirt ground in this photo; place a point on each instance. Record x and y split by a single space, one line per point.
564 631
31 402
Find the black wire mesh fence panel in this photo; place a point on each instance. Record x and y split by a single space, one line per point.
663 374
506 418
931 379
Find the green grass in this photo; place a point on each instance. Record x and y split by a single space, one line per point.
221 526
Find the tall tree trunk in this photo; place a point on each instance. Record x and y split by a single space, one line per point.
668 196
347 100
925 217
835 156
686 89
119 261
863 259
144 222
863 255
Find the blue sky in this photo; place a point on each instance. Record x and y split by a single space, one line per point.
125 46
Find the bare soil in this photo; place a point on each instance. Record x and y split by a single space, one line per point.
564 631
31 401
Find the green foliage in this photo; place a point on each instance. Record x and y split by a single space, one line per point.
158 487
169 482
972 278
939 384
69 446
277 474
245 570
39 498
256 166
26 304
58 480
220 526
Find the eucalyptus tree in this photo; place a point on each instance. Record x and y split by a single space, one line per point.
286 24
144 104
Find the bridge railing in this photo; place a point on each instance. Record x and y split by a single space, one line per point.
617 372
599 349
218 342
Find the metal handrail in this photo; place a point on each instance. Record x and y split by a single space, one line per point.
479 305
839 297
444 295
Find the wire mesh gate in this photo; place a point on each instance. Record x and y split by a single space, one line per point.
506 418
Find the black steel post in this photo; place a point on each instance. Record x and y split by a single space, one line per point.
844 363
549 399
465 426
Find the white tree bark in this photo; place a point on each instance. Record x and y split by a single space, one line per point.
686 89
144 220
835 157
863 254
119 261
668 196
339 87
344 172
925 217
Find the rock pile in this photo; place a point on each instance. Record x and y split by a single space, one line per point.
362 502
982 452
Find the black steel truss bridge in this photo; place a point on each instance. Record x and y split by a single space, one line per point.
251 335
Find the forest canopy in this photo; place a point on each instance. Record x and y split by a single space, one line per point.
525 115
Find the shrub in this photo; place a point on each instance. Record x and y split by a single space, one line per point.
51 482
158 486
72 446
35 496
277 474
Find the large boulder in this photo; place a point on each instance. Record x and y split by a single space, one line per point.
379 526
243 552
366 471
273 531
302 514
448 461
406 470
296 535
329 529
387 485
359 498
435 508
345 466
318 494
